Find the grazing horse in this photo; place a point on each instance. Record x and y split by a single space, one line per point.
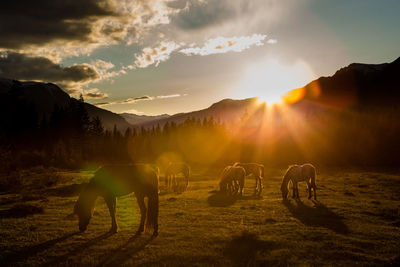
174 169
258 172
299 173
112 181
232 180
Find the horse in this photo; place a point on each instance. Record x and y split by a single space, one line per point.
232 180
112 181
299 173
174 169
258 172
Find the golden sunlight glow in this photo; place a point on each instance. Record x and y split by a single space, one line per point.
294 95
272 81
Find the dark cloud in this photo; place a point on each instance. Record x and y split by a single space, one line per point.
38 22
132 100
23 67
196 14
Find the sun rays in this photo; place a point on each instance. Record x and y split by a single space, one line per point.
270 80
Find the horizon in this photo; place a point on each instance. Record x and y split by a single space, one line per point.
169 57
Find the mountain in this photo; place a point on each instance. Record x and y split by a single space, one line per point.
225 110
44 97
355 86
140 119
358 85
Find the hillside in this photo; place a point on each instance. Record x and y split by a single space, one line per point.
43 98
358 85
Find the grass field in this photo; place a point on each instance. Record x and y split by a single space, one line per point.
356 221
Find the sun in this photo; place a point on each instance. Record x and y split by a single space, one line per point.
271 80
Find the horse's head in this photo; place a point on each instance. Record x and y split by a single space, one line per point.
222 186
84 208
285 193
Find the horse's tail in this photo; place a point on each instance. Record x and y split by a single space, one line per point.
313 178
152 208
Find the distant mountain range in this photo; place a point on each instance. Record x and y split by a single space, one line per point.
357 85
140 119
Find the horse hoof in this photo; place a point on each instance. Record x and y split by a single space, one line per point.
113 230
139 232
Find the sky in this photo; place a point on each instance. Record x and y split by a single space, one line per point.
161 56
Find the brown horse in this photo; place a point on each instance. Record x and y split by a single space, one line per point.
174 169
232 180
112 181
299 173
258 172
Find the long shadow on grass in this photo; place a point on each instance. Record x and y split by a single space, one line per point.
121 254
21 211
26 252
242 250
218 199
318 215
77 250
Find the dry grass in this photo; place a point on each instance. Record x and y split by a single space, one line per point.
355 221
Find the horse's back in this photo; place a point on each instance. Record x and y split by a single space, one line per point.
308 170
122 179
176 167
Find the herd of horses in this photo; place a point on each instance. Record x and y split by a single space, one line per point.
112 181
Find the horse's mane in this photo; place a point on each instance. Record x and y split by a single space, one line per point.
292 165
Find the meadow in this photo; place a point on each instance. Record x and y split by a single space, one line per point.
355 221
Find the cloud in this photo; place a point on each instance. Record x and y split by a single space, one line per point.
133 111
24 67
64 28
155 55
223 45
272 41
132 100
71 78
94 93
195 14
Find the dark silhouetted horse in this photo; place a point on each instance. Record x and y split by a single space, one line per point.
232 180
112 181
258 172
174 169
299 173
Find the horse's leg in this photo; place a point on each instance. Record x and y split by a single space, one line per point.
294 184
111 202
256 186
241 186
174 184
260 186
309 188
143 212
315 191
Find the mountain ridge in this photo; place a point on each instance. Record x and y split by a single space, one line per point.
44 97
